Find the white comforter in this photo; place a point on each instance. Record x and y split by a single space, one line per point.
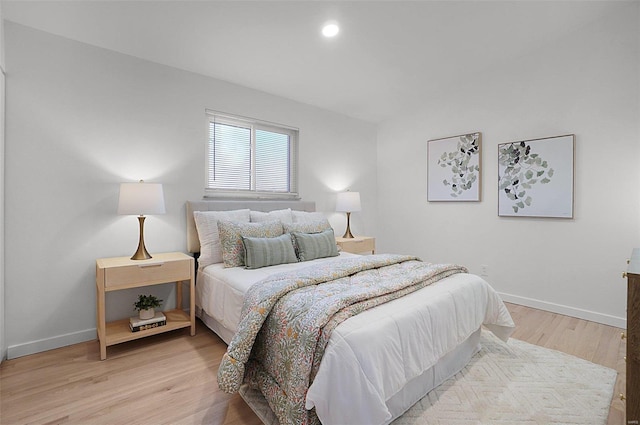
361 371
371 356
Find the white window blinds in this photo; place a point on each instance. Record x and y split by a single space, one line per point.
250 158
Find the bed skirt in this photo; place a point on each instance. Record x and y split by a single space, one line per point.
450 364
225 334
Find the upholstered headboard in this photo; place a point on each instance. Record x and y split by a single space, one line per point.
193 243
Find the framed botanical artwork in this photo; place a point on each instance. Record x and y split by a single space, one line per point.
535 177
453 168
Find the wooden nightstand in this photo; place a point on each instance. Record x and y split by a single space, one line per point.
357 244
114 274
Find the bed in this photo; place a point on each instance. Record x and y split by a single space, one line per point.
375 364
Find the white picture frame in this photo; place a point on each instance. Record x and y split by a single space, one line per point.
536 177
454 168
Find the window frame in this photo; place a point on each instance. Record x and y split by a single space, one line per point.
252 124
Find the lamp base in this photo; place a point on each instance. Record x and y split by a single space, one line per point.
141 253
347 233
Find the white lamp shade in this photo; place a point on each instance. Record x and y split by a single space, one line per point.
348 202
141 198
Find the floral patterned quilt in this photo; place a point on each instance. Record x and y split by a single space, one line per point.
287 320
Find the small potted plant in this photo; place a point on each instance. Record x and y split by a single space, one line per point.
146 306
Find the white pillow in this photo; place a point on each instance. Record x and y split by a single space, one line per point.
283 216
305 217
207 225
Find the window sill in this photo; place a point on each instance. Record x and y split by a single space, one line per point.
230 194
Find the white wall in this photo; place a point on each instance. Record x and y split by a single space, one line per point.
80 120
586 84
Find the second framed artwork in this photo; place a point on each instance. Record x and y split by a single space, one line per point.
453 168
535 177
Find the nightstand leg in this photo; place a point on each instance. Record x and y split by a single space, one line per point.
192 305
179 295
100 313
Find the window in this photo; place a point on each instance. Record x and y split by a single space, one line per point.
251 158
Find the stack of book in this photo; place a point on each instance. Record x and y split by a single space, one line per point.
136 324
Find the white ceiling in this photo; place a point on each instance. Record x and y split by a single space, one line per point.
388 57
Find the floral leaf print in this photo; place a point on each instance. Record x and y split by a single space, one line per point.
463 172
523 169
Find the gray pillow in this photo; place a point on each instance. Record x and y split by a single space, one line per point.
263 252
311 226
315 245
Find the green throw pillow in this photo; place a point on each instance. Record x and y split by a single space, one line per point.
315 245
263 252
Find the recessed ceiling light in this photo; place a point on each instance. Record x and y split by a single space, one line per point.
330 29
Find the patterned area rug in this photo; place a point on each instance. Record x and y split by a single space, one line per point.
514 383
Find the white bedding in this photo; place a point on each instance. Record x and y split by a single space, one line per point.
407 336
220 291
412 333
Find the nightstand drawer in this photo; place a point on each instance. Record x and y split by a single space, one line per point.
357 245
147 273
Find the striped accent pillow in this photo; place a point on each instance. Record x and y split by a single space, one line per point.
263 252
315 245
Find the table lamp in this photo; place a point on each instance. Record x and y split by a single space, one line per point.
140 199
348 202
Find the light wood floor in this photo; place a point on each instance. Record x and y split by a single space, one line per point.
171 378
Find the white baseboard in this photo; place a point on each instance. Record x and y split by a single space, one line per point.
58 341
40 345
592 316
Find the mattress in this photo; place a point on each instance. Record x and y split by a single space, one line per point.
378 363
